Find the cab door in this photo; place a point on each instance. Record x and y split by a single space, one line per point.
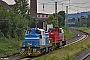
43 38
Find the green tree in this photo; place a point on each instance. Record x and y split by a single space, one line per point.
88 20
12 28
3 20
21 7
83 21
11 24
51 20
61 18
17 25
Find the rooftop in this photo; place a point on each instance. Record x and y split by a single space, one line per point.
4 4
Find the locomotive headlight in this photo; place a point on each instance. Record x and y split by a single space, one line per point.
23 45
23 50
34 50
35 45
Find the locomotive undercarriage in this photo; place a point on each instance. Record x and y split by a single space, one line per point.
30 51
57 45
35 51
63 43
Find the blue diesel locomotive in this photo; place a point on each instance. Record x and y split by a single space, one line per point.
36 42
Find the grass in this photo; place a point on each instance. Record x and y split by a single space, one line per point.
85 29
66 53
8 46
69 52
69 34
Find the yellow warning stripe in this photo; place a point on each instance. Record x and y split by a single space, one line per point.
23 53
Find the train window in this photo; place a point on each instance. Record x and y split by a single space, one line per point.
60 31
27 31
46 15
51 30
38 15
38 32
43 15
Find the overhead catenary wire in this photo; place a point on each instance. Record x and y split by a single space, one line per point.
75 5
64 4
44 11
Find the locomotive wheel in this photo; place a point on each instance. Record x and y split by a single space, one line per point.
42 51
49 49
63 43
58 45
53 47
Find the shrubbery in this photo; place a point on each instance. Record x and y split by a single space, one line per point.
12 29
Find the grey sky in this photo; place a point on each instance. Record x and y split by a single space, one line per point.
49 5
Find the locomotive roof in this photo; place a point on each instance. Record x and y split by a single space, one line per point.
38 29
41 29
60 28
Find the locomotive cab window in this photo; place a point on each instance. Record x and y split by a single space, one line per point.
60 31
27 31
38 32
51 30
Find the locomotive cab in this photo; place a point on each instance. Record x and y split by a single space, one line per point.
57 37
62 36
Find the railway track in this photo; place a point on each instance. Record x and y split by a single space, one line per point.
80 36
86 57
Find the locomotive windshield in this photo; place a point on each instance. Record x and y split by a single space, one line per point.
38 32
27 31
60 31
51 30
